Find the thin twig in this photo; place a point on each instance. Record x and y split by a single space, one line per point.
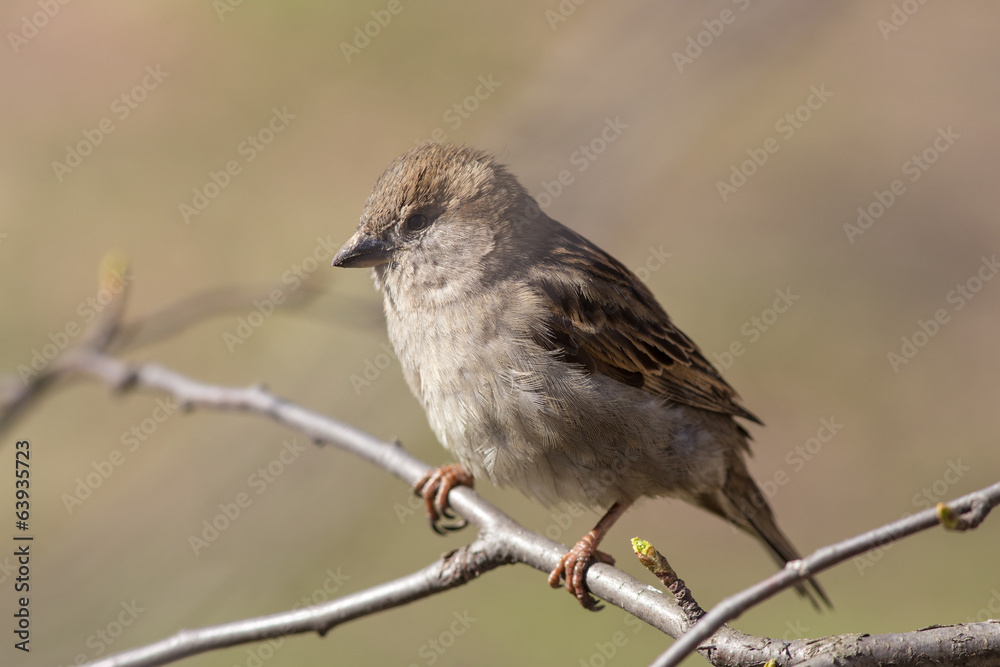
451 570
501 540
217 301
607 582
496 528
795 571
18 395
657 563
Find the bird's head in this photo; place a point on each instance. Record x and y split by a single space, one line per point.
436 215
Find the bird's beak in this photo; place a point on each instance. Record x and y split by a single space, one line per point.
362 250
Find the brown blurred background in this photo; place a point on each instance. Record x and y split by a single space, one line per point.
199 78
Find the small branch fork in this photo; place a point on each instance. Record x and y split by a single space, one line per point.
502 541
961 514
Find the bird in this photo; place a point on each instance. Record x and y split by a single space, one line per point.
543 363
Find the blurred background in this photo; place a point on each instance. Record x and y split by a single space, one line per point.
808 187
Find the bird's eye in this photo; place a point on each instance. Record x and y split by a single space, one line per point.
416 222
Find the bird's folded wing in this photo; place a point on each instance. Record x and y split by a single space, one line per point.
605 319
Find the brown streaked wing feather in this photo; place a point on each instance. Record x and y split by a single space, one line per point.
594 300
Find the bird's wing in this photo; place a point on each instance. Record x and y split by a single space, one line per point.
605 319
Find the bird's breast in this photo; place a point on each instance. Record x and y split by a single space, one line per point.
510 410
472 362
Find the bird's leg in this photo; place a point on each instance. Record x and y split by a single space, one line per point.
573 565
434 488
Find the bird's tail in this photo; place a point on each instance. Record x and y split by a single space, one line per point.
742 504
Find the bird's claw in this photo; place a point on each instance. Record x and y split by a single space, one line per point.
572 567
434 488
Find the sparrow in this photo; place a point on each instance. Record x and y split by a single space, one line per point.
543 363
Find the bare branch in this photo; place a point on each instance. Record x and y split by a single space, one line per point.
499 534
17 396
214 302
501 541
970 510
728 646
657 563
453 569
109 333
972 645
